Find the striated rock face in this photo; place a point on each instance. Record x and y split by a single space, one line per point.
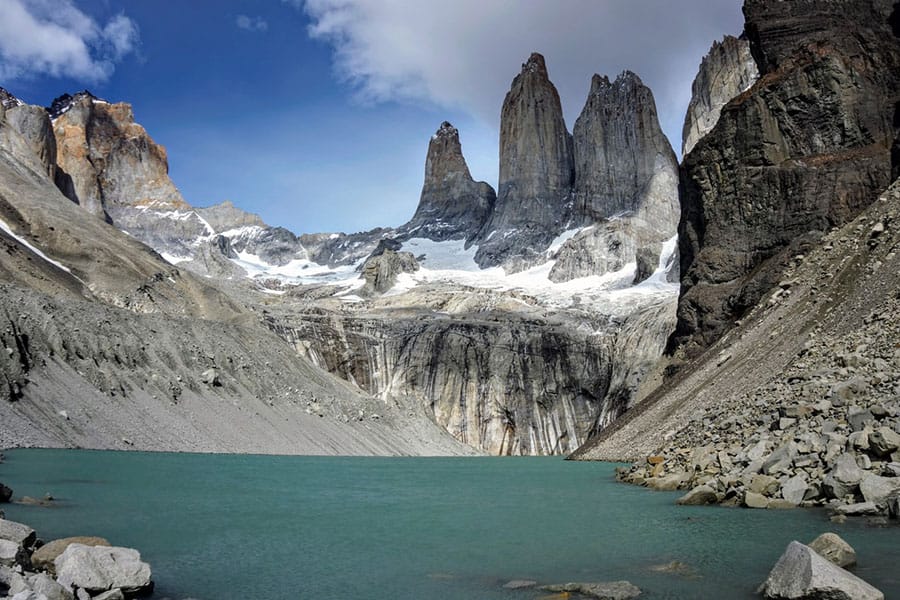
803 150
726 71
499 379
536 172
33 125
452 204
624 165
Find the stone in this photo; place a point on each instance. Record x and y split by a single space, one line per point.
781 459
794 489
452 204
877 489
8 552
669 483
5 493
801 573
22 535
884 441
858 509
834 548
44 557
110 595
646 260
101 568
698 496
51 589
520 584
844 477
210 377
763 484
614 590
754 500
381 271
859 418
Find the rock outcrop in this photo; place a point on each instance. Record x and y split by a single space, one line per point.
806 148
34 126
452 205
534 201
381 270
726 71
801 573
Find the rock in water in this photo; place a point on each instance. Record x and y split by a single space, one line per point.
702 494
536 172
801 574
806 148
381 271
613 590
5 493
452 204
726 71
835 549
100 568
44 557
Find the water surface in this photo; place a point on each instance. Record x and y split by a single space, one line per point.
217 527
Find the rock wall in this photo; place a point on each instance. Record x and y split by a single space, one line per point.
726 71
452 204
536 172
803 150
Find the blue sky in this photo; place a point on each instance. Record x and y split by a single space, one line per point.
316 114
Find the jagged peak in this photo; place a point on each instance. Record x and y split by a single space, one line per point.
8 100
535 64
601 83
62 104
445 130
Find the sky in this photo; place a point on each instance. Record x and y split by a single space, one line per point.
316 114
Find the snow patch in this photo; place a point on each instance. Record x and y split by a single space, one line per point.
173 259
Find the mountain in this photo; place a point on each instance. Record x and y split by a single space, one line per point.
783 388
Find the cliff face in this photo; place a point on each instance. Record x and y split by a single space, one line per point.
803 150
452 204
726 71
536 172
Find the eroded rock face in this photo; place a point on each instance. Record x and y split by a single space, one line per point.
381 271
117 172
34 126
726 71
806 148
452 205
624 164
536 172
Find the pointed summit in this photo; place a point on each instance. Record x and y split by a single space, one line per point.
7 100
452 205
536 171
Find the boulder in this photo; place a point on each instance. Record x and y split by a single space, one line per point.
48 587
99 569
5 493
844 477
884 441
834 548
520 584
801 573
8 552
613 590
700 495
22 535
668 483
210 377
781 459
794 489
44 556
763 484
859 418
110 595
754 500
858 509
877 489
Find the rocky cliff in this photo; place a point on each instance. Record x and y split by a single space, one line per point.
452 204
726 71
806 148
536 172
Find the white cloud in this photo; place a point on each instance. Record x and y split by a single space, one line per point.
53 37
252 23
464 54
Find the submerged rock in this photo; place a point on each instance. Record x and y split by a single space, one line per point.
801 574
702 494
834 548
613 590
5 493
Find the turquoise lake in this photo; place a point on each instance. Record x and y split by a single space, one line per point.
218 527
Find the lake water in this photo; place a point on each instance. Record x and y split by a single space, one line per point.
217 527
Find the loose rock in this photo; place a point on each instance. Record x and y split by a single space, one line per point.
801 573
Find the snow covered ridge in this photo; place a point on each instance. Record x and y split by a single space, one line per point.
62 104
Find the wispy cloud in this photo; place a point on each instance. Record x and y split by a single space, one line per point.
252 23
463 54
54 37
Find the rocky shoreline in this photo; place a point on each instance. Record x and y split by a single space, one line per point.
81 568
